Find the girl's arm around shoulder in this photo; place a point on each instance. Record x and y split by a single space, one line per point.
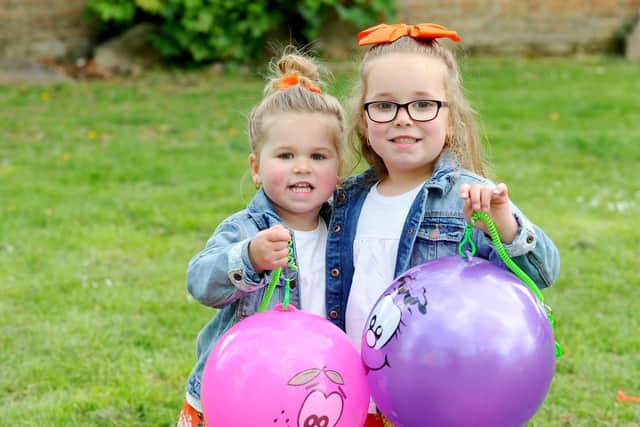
222 272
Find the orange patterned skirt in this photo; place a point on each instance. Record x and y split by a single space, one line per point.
190 417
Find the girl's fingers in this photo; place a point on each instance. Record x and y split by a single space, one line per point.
486 195
277 260
500 192
279 234
464 191
279 247
480 198
475 196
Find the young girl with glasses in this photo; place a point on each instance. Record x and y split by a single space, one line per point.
296 135
415 129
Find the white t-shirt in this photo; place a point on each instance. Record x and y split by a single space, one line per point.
310 251
375 248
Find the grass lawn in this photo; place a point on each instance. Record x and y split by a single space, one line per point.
108 188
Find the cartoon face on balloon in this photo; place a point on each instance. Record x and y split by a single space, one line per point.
320 407
385 322
453 334
284 368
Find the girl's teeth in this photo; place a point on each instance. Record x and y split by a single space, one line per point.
303 188
404 140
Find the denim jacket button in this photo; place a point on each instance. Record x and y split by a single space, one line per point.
292 284
333 314
337 228
342 197
237 276
530 239
335 272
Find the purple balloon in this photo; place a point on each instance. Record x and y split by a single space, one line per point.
458 342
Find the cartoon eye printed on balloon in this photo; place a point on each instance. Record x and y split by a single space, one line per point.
384 321
386 317
319 409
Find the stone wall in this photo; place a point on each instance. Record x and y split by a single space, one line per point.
556 27
31 29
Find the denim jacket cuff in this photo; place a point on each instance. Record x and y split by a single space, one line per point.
241 272
525 239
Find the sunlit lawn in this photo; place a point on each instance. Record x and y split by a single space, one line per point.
108 188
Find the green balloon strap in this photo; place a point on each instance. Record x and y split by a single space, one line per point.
275 276
495 238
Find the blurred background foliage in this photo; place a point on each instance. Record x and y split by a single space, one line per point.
204 31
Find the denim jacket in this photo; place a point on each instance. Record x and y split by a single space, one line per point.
221 276
434 227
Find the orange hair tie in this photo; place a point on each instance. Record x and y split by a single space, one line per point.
292 79
385 33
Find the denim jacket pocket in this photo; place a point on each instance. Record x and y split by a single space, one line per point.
438 237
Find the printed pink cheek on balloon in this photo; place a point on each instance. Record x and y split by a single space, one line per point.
320 410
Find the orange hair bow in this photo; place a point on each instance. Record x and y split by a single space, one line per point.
292 79
385 33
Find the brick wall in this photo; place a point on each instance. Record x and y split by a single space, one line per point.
527 26
56 28
43 28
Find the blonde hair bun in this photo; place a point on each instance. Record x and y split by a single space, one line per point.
295 62
300 64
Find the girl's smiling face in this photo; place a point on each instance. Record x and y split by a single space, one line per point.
408 148
298 165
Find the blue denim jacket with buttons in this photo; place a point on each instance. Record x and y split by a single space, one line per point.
434 227
221 276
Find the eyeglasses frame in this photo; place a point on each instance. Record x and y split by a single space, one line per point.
440 104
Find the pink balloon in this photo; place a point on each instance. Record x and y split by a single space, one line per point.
284 369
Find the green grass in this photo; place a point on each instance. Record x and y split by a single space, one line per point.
108 188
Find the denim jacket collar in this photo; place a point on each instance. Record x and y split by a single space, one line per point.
261 210
442 178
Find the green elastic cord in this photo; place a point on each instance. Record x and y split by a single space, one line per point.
285 299
287 281
467 241
495 238
275 276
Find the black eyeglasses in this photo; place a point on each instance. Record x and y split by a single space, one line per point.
421 110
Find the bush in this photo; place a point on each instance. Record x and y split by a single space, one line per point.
202 31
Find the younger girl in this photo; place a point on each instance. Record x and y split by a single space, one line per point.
415 129
296 134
